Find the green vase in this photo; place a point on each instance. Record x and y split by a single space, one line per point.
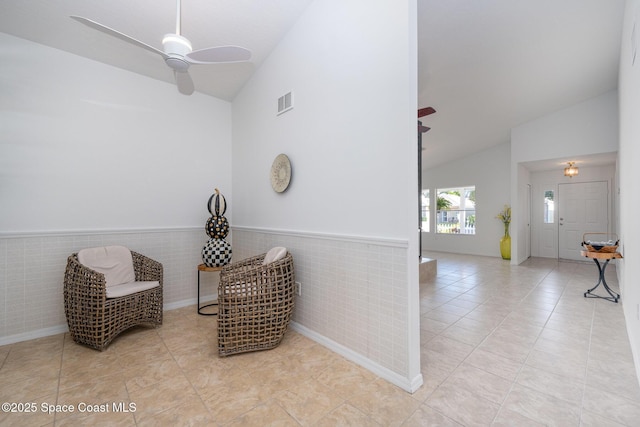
505 243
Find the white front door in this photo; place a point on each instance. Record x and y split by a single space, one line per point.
583 208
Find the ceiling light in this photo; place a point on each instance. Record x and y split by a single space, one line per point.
571 170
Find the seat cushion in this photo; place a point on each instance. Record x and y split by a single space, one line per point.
115 262
129 288
274 254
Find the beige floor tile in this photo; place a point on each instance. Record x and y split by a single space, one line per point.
479 382
460 302
542 407
427 416
192 413
560 386
308 402
31 416
507 418
94 391
37 349
231 401
345 378
570 365
506 346
454 350
4 352
462 406
27 388
463 335
90 419
441 316
475 325
612 406
17 369
589 419
160 396
267 414
137 339
617 378
208 378
455 309
430 360
385 403
494 363
432 325
152 372
430 384
347 416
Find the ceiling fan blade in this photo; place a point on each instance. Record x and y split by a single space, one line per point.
422 129
114 33
425 111
184 82
214 55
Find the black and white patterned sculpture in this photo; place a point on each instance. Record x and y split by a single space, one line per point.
217 252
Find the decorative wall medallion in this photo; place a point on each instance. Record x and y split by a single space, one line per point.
280 173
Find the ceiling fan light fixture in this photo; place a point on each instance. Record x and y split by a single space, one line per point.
176 44
177 51
571 170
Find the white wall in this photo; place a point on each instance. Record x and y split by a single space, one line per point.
590 127
93 155
629 174
351 138
86 146
347 135
489 172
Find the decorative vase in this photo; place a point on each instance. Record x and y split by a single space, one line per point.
217 252
505 243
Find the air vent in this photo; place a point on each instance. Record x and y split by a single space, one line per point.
285 103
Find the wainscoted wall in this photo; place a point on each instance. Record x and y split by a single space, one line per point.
354 296
32 271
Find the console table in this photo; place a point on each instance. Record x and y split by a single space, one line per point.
203 267
597 257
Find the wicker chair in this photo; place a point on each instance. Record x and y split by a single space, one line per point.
255 303
95 319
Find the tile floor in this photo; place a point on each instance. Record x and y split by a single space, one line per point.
501 345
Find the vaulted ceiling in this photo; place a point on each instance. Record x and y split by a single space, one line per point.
484 65
487 66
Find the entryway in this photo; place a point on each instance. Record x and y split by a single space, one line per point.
583 207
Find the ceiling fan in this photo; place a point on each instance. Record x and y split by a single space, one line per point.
178 53
421 113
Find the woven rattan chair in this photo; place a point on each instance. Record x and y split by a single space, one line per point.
255 303
95 319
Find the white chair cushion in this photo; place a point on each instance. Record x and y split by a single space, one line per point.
129 288
115 262
274 254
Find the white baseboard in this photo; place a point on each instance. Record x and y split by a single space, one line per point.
60 329
32 335
410 385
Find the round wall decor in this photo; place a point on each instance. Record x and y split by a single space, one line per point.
280 173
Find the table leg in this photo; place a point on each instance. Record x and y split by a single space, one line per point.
614 297
204 306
